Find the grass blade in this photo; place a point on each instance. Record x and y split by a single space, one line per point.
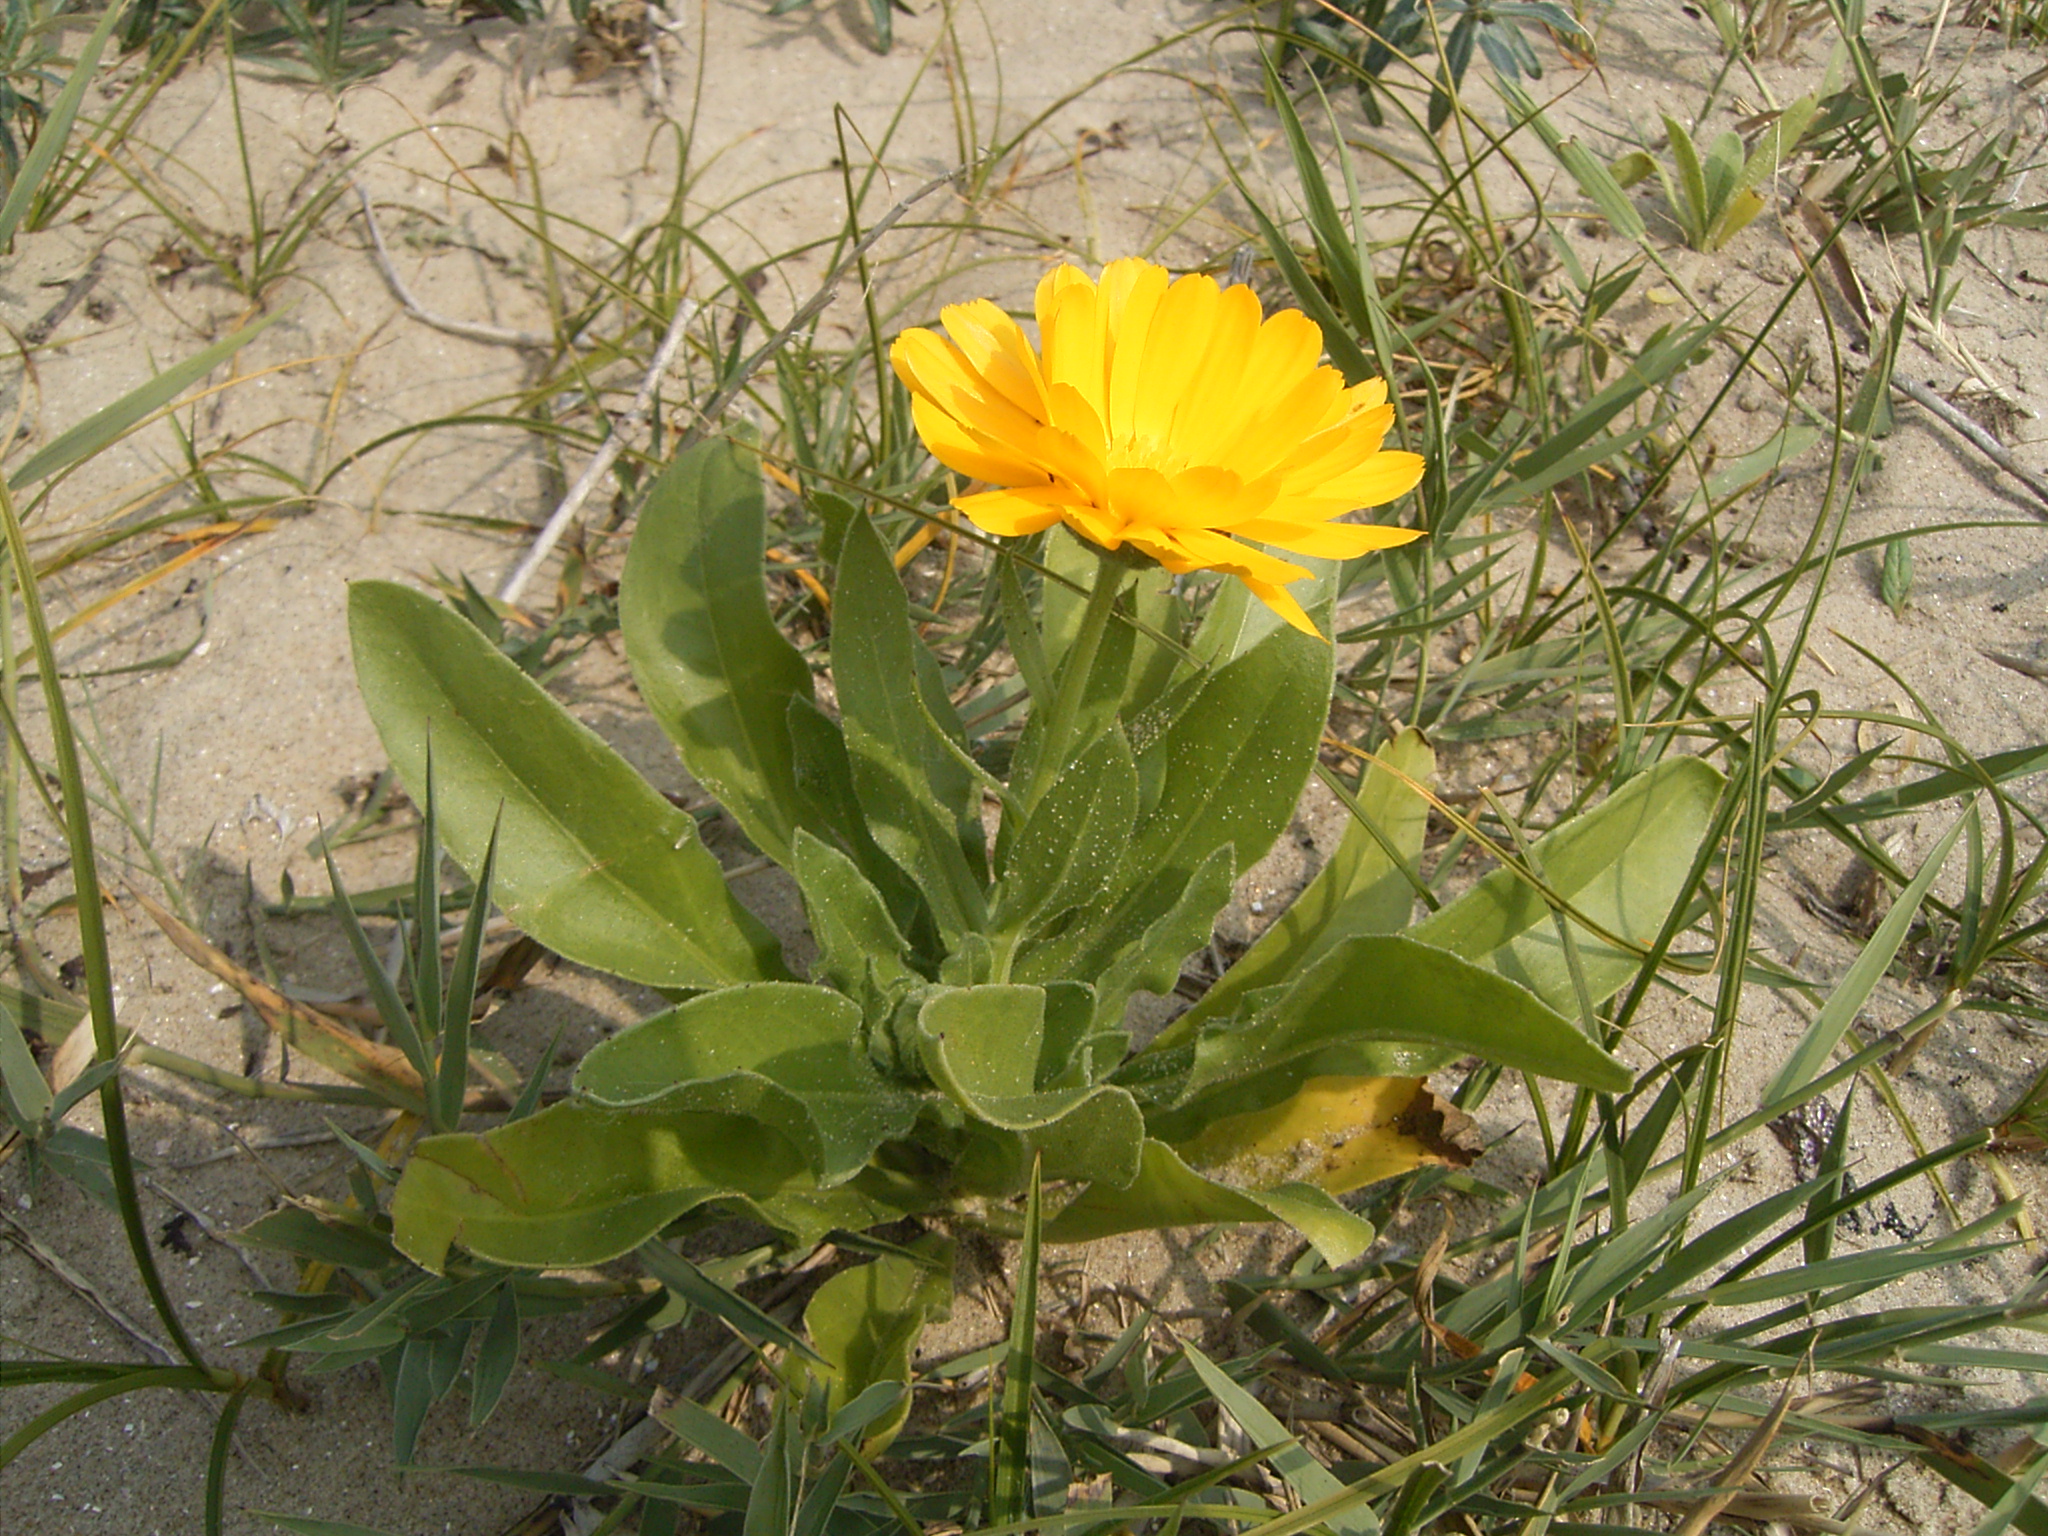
1848 997
55 130
1010 1452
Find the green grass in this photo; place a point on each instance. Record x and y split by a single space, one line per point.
1623 1341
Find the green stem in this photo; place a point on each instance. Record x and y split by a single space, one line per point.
1073 685
92 934
144 1055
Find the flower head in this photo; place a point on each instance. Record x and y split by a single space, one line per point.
1169 415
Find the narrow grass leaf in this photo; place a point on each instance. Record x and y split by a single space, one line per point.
1854 989
771 1506
110 423
1309 1478
215 1497
53 132
303 1525
496 1354
1010 1440
695 1425
723 1303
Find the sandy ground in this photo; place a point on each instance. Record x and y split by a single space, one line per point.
257 735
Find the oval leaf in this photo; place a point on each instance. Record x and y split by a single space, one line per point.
592 862
779 1052
1622 864
1168 1193
705 652
1338 1133
1370 993
581 1184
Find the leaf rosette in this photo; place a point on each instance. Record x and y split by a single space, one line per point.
964 1018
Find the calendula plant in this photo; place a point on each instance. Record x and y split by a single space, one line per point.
963 1020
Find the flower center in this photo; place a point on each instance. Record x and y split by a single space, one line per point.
1140 452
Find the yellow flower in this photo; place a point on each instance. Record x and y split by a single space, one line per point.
1167 415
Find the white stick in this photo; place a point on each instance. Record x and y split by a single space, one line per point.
626 425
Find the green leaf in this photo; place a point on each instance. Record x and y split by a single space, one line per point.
859 946
1230 767
706 655
1137 951
771 1504
1689 204
1996 768
593 862
1427 1007
1846 1001
785 1054
580 1184
824 776
27 1091
1309 1478
1593 178
343 1240
1168 1193
695 1425
1622 865
1895 585
1075 840
496 1355
112 422
692 1285
917 797
53 133
982 1047
1361 889
1221 766
865 1324
1009 1451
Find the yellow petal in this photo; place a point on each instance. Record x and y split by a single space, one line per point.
995 347
1213 403
1285 349
1328 541
929 365
1132 304
1010 514
1095 525
1162 545
1267 439
1070 459
1076 341
1175 344
1219 553
1073 414
1142 498
1208 497
1374 483
1282 602
966 453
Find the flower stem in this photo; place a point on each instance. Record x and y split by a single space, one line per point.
1073 684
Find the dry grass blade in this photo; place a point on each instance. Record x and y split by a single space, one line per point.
56 1264
329 1042
1739 1470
